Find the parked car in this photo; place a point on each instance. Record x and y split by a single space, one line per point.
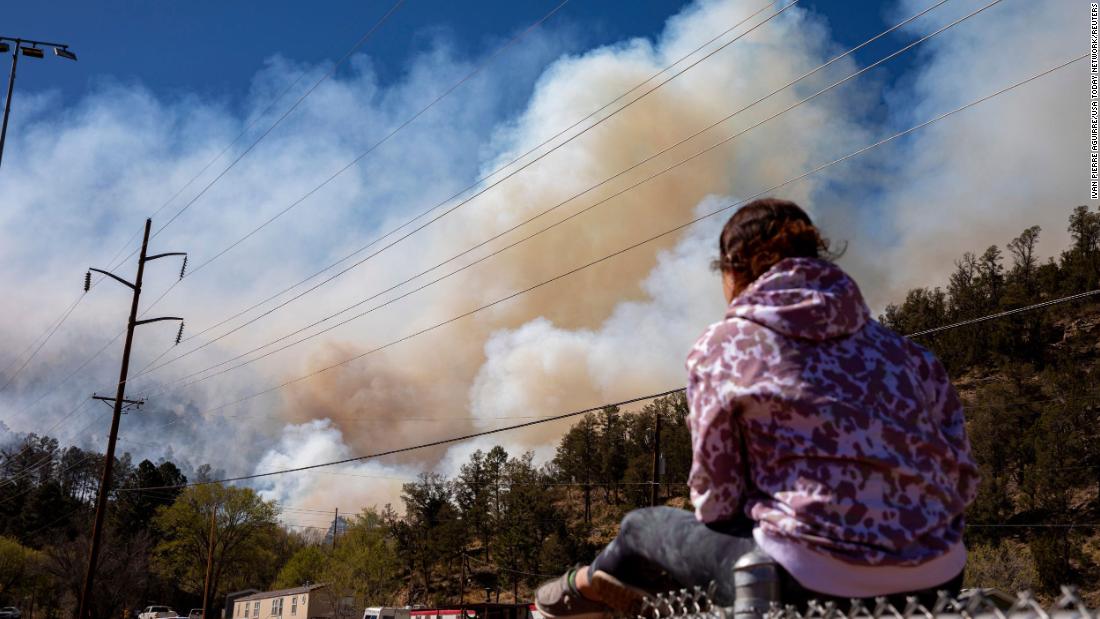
10 612
157 612
385 612
196 613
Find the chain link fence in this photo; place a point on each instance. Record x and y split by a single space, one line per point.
986 604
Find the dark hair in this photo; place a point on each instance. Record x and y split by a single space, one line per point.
762 233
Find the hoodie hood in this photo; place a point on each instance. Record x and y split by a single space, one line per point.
803 298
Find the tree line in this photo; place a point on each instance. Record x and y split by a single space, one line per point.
155 542
499 526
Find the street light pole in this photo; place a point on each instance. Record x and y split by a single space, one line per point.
59 49
7 102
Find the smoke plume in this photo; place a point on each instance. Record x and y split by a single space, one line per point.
613 331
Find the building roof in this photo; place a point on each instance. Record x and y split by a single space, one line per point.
263 595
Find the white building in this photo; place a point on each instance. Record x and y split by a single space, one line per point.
308 602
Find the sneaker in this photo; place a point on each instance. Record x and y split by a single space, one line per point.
617 595
559 599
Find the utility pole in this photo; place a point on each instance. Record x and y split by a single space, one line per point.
462 593
119 400
59 49
656 473
206 592
335 528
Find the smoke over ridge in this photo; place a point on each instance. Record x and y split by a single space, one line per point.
616 330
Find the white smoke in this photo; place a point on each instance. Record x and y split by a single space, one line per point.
88 175
348 487
983 176
85 179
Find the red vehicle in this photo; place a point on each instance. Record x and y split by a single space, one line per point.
442 613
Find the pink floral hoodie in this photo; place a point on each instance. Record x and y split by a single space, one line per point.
824 427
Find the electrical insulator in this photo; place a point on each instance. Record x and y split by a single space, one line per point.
179 334
184 267
87 281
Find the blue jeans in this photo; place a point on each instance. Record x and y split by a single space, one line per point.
663 548
660 548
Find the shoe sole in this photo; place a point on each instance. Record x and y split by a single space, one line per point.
615 594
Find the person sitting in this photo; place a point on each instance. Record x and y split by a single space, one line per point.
818 436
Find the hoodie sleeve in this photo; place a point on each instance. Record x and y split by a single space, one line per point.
715 480
948 413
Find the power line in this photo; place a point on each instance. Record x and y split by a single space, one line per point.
65 315
477 69
467 418
362 40
505 569
66 515
304 509
391 452
402 419
72 412
638 243
45 337
546 211
461 439
477 182
8 500
306 526
624 402
336 66
225 149
1003 314
505 484
64 418
70 376
46 434
512 417
72 466
164 494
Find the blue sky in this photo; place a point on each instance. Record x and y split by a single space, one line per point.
215 48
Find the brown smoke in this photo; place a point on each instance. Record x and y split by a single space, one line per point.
388 394
431 376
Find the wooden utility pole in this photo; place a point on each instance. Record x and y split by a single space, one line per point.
335 527
656 473
119 400
206 592
462 594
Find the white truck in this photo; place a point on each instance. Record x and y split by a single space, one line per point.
385 612
157 612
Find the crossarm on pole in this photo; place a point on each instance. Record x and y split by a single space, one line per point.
114 277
